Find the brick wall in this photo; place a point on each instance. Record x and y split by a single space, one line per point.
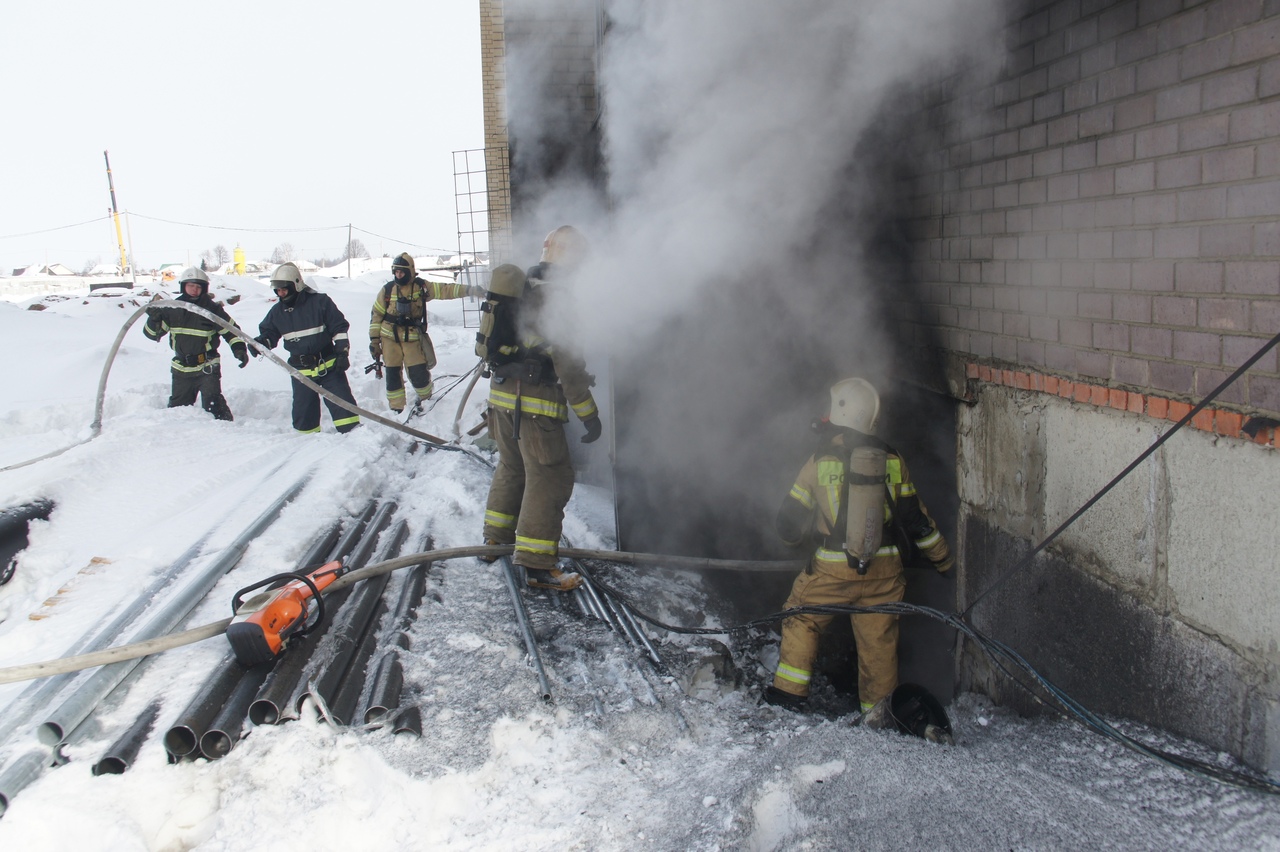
1108 210
493 51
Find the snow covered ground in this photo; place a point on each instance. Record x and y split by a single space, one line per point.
623 758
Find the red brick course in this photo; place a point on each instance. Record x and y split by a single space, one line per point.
1219 421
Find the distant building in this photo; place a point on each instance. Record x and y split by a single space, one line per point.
37 270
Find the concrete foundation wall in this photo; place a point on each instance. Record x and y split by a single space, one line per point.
1162 602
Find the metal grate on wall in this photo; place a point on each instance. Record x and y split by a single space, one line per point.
482 200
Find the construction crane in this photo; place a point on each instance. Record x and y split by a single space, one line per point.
115 215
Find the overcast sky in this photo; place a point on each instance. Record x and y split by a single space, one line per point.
264 119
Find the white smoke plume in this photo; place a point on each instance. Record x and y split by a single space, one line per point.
727 276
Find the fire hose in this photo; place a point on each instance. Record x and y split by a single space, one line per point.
95 428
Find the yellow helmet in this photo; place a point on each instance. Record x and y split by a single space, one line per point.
855 405
565 245
404 261
507 280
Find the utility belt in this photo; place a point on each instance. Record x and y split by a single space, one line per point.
404 322
537 370
193 360
311 362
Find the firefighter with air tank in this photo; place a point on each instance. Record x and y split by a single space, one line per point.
398 329
535 382
854 501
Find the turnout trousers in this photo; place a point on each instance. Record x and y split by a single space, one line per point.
876 634
416 357
530 488
306 402
205 382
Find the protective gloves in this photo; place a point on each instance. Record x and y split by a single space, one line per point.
342 361
945 565
594 428
375 349
242 355
262 339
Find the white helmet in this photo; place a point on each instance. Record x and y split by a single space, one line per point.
565 246
855 405
193 275
287 273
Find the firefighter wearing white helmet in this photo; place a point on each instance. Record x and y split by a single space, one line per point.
196 368
856 497
398 329
536 382
314 332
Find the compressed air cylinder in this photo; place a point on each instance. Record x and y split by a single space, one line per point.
864 525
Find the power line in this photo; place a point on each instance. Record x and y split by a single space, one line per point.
51 230
433 249
403 242
226 228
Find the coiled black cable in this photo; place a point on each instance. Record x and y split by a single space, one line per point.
1008 661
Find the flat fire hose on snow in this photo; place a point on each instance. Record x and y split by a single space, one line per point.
48 668
95 428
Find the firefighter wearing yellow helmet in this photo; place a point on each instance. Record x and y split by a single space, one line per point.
856 496
398 329
535 384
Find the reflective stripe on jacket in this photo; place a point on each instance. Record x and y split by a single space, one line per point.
312 329
572 389
193 338
385 320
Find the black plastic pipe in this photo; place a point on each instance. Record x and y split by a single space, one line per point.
347 634
349 625
272 703
409 721
119 756
14 527
182 740
387 680
343 706
224 731
388 683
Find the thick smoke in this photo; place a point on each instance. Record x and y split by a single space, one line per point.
729 280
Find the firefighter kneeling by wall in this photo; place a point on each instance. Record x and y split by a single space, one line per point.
856 498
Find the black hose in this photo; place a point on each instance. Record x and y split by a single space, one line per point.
1040 687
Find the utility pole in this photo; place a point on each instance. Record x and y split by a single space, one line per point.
348 249
115 214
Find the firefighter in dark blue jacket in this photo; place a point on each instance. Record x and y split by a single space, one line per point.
196 367
314 332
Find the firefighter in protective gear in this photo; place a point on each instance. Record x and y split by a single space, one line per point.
398 329
529 403
817 508
314 332
196 367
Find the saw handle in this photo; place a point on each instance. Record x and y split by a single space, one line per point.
282 579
